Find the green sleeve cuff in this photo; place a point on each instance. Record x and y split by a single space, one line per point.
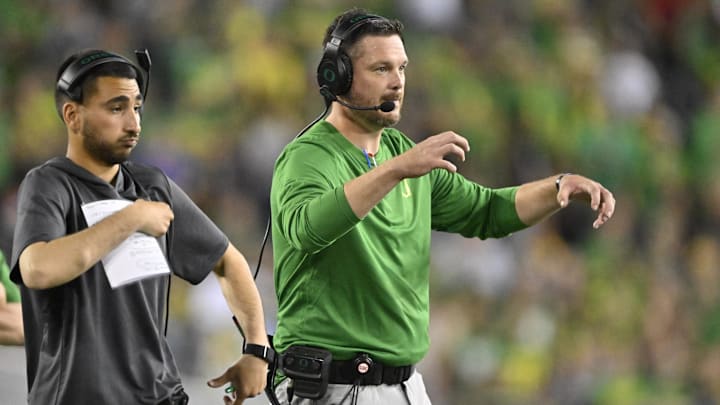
12 292
507 209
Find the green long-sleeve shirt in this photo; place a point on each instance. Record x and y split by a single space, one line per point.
12 292
351 285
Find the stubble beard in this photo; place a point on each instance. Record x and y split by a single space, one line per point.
386 121
375 117
101 150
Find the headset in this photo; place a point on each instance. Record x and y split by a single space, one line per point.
334 73
334 76
85 63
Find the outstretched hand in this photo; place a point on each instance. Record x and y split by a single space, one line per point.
247 378
576 187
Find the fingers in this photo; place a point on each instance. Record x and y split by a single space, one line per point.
237 397
453 149
606 210
601 219
608 205
451 138
562 197
157 217
241 393
246 378
238 400
461 141
218 381
600 198
430 154
444 164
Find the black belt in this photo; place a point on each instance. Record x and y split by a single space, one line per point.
365 371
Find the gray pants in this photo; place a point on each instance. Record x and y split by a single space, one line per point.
411 392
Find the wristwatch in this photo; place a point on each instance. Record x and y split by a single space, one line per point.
559 178
264 352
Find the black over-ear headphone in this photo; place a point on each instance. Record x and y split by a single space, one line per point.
334 73
80 66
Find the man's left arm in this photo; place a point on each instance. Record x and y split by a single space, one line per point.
536 200
248 375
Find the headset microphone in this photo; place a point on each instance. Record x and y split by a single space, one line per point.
329 97
386 106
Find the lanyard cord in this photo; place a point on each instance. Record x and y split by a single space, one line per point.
354 390
267 226
370 159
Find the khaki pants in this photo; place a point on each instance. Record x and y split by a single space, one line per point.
411 392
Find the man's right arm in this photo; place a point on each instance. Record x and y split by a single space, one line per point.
365 192
311 216
50 264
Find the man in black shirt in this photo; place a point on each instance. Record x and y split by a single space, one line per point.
87 342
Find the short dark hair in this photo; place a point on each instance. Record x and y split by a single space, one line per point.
85 85
383 27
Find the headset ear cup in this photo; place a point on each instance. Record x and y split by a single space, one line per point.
327 75
345 74
74 94
335 73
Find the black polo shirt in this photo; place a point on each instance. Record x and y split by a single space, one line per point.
85 342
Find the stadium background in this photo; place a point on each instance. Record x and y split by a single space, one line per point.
625 92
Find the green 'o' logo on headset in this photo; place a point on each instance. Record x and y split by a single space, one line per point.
329 75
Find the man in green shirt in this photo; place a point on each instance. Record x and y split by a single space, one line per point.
353 206
11 322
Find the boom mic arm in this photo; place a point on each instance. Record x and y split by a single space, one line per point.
329 97
143 58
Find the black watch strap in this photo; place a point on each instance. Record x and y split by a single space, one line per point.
559 179
264 352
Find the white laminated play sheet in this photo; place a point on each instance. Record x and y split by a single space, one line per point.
137 257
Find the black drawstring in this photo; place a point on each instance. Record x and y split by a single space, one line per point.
146 195
354 390
404 390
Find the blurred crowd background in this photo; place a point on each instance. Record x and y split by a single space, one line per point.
624 92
